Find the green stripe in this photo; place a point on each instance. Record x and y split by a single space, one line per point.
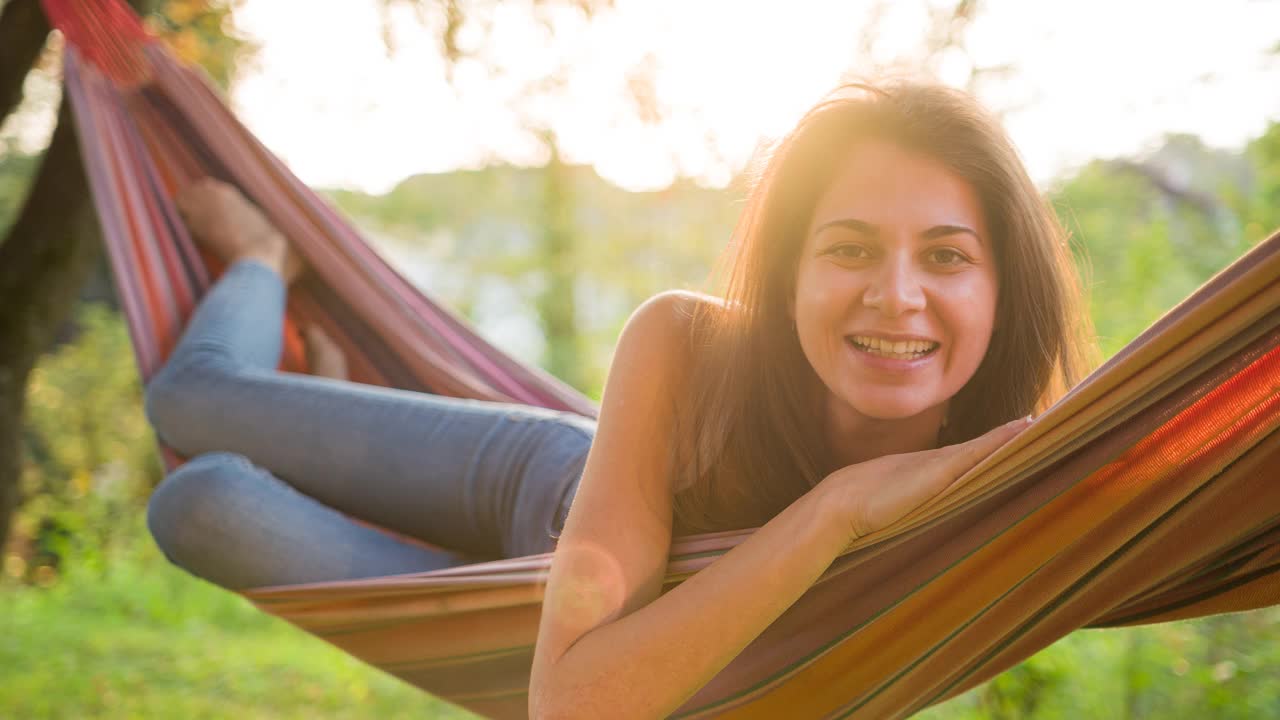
455 659
488 696
1201 597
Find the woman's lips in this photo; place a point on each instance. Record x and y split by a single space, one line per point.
882 362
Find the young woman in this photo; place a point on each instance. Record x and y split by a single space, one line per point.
899 300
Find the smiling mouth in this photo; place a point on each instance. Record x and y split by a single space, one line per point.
902 350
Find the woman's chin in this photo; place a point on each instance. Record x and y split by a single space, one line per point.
891 408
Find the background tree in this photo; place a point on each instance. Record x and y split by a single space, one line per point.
555 255
48 249
52 244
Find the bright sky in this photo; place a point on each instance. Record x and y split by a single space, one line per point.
1094 78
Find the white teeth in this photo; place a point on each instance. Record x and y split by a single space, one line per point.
902 350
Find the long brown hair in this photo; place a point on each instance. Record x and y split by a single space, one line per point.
750 438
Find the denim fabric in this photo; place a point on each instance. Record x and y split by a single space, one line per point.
289 471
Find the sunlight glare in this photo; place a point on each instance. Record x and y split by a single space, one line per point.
1092 79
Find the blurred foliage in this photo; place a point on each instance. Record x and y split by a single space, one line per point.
88 455
467 238
1261 208
1149 230
1221 667
202 32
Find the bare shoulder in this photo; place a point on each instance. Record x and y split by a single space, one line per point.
665 320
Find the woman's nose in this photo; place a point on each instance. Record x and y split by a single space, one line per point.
894 288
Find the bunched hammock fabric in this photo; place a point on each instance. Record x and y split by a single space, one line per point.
1150 493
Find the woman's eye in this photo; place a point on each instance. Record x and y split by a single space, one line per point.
850 252
947 256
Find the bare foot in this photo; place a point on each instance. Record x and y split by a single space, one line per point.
323 354
232 227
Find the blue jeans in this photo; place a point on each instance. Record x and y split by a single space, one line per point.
289 471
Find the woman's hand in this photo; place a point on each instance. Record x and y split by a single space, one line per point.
870 496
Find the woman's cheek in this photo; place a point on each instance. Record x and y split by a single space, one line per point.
968 309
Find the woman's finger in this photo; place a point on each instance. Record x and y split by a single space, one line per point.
968 454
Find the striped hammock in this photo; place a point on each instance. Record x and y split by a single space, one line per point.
1149 493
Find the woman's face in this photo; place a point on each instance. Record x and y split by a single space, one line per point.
896 285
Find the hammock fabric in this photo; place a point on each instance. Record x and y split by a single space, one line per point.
1149 493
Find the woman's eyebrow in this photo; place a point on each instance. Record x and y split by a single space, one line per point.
938 231
850 223
871 229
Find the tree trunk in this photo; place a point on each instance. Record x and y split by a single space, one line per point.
43 262
557 305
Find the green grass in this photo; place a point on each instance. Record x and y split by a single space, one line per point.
125 635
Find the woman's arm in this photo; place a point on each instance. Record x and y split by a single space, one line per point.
608 644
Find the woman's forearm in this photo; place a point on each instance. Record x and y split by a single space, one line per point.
650 662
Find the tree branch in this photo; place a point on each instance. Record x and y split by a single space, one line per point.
23 29
1178 192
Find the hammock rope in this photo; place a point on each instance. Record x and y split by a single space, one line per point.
1145 495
